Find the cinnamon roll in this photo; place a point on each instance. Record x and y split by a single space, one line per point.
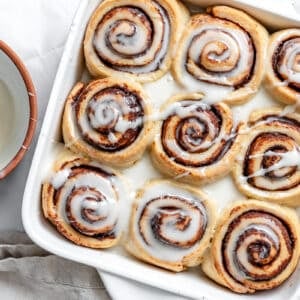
268 166
171 225
222 54
106 120
133 38
196 142
283 67
255 247
82 200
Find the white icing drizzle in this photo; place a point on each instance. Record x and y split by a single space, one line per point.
213 93
178 109
289 66
112 138
155 247
109 118
243 256
235 42
189 108
134 38
100 208
92 193
209 35
123 125
59 178
270 233
287 159
105 112
108 112
185 109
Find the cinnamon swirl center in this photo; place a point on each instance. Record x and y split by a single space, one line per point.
111 119
133 39
286 62
215 52
129 36
173 221
197 134
88 201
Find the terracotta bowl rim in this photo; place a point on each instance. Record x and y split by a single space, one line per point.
32 109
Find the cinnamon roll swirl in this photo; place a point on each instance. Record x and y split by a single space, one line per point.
106 120
171 225
222 54
268 166
283 66
135 38
82 200
196 142
255 247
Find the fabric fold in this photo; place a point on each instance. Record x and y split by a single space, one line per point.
29 272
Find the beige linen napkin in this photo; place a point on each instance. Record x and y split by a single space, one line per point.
28 272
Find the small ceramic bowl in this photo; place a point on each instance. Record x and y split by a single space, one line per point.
18 110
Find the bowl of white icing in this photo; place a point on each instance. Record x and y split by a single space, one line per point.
18 110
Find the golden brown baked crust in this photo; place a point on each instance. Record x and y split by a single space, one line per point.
133 38
108 120
171 225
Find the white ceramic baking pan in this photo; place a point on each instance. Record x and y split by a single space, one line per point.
191 283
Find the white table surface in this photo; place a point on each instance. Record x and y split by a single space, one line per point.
37 31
